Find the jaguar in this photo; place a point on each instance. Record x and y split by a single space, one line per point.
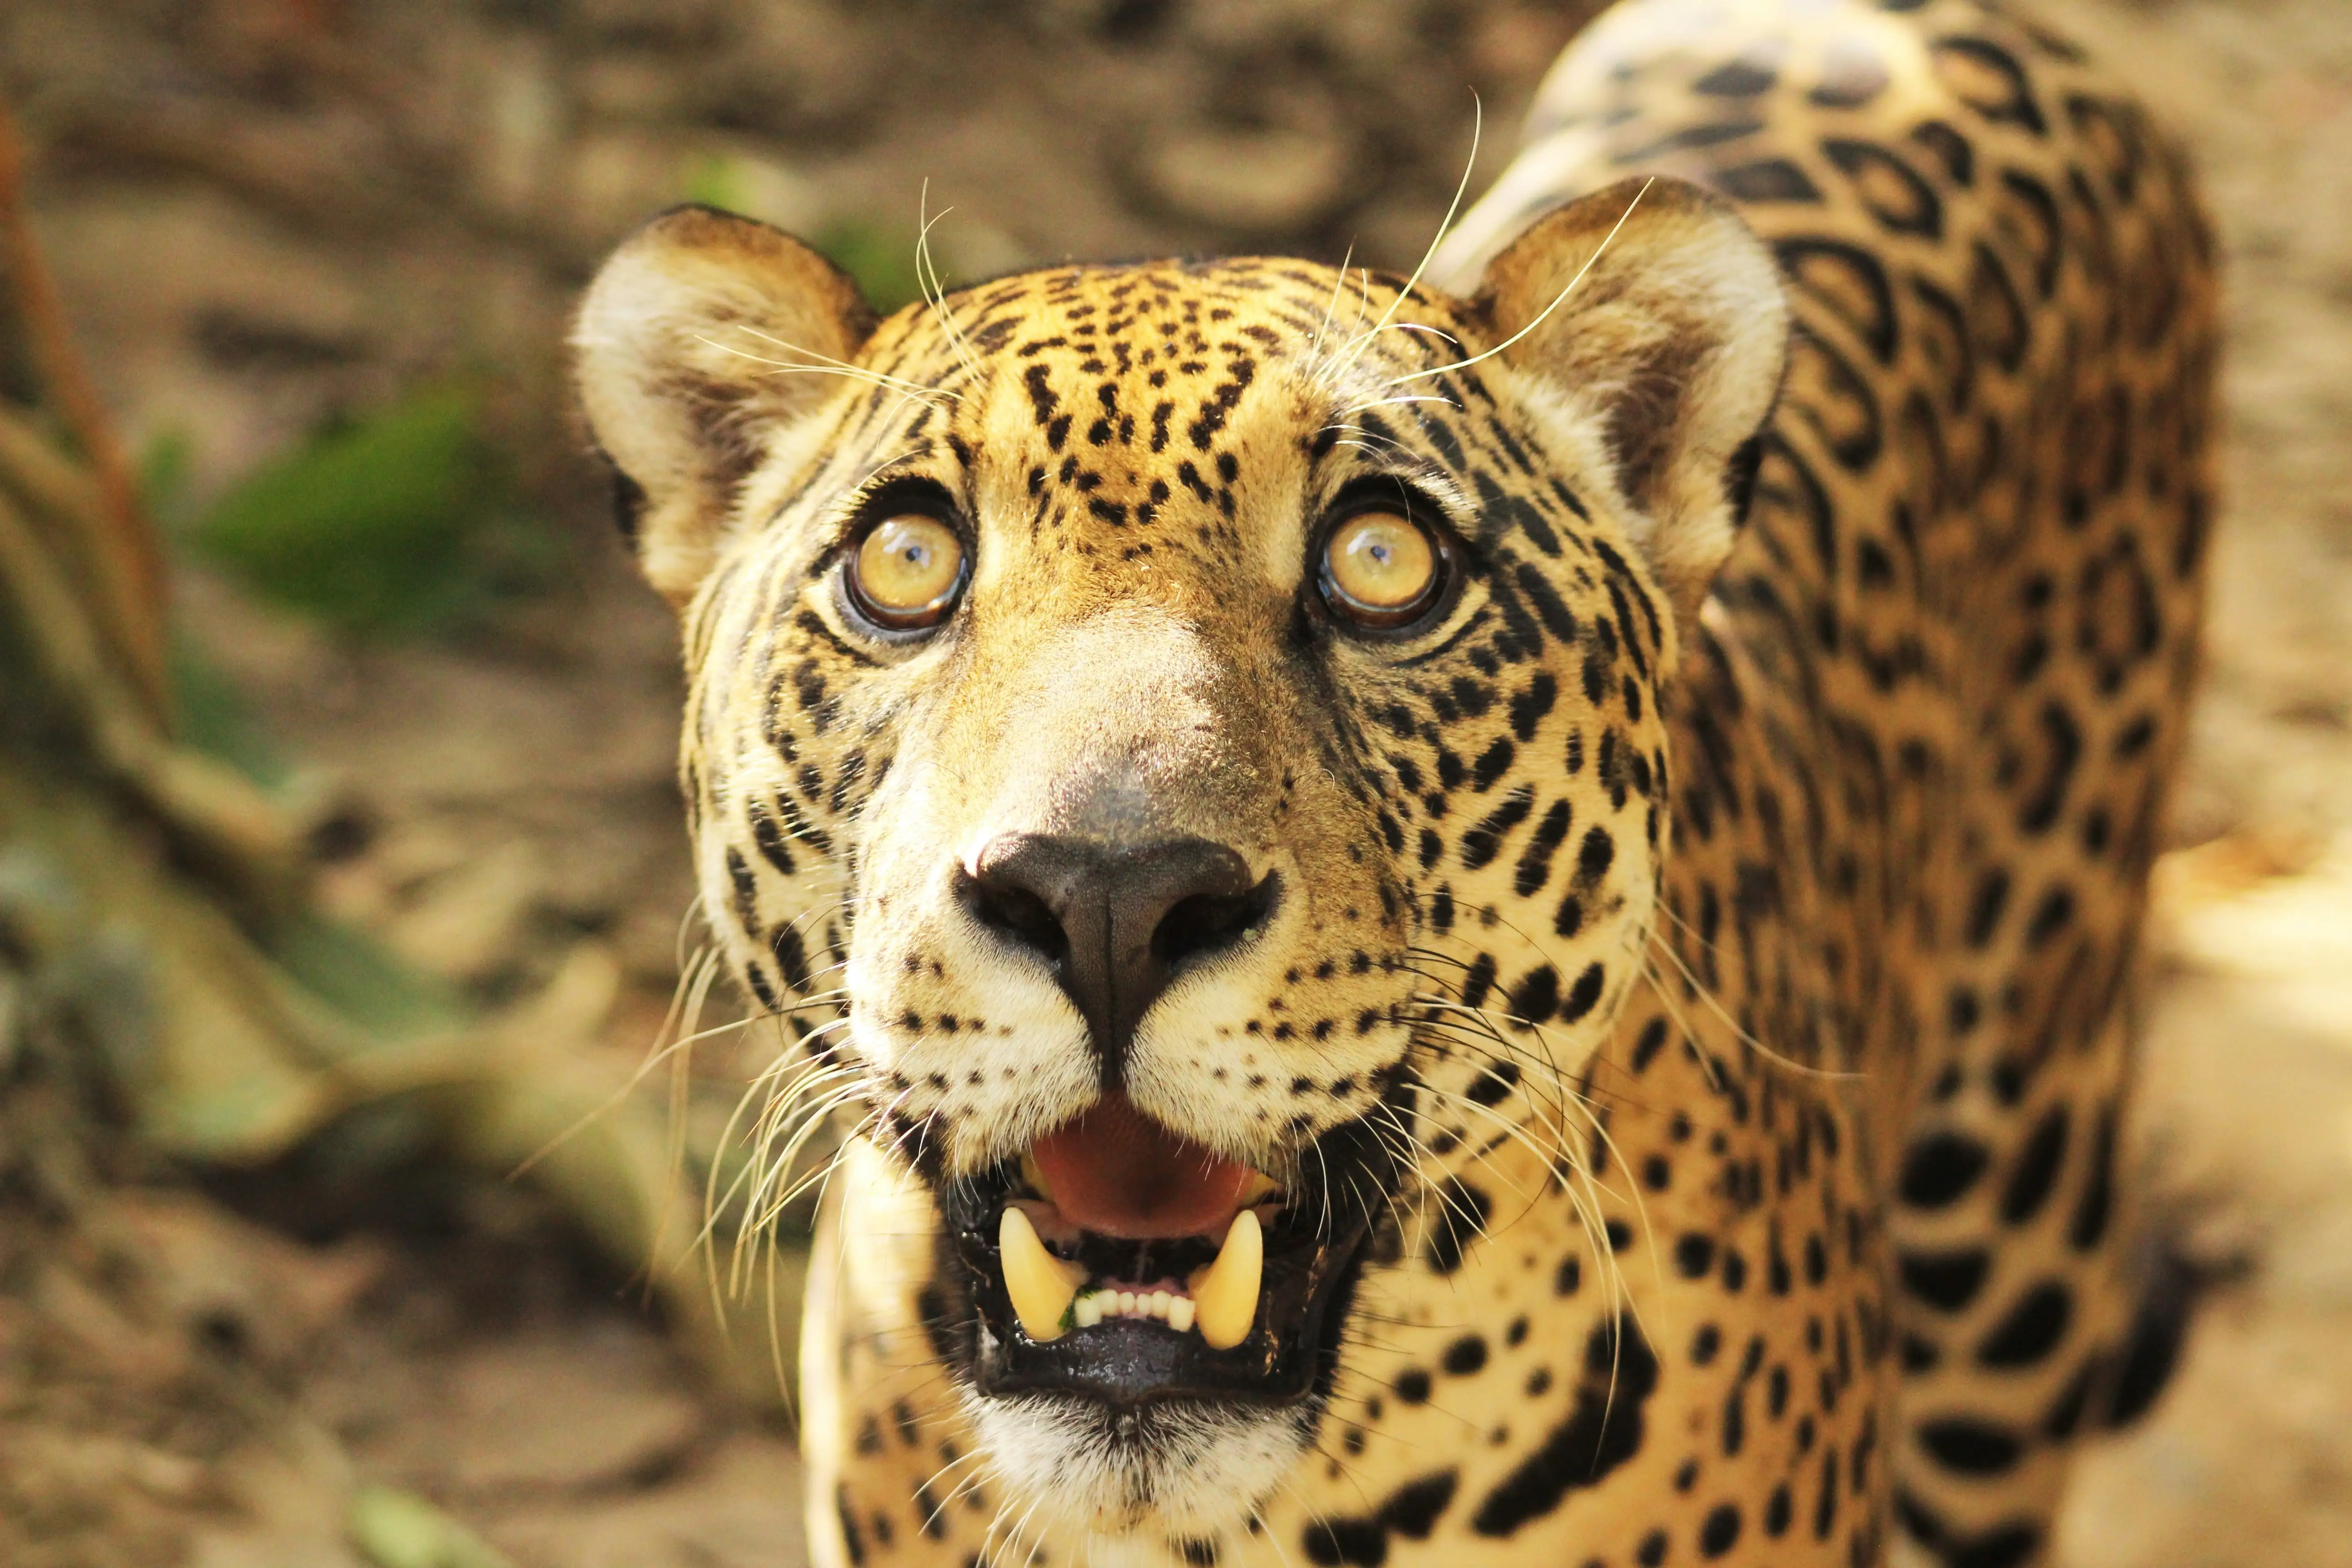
1482 916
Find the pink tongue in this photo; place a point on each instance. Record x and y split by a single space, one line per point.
1116 1172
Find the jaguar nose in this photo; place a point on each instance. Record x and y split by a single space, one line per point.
1116 923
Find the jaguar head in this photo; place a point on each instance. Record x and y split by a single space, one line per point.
1183 743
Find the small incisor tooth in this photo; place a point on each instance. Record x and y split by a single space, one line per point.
1039 1283
1224 1294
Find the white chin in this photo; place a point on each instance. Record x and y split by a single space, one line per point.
1190 1469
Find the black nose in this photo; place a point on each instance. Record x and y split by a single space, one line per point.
1116 923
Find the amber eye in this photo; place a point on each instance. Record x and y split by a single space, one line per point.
1382 569
907 572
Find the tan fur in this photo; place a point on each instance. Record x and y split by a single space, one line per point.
1736 919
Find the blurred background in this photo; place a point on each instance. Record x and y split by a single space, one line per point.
340 864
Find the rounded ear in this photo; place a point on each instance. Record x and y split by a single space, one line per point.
685 353
1650 311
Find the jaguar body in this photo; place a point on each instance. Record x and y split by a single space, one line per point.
1476 917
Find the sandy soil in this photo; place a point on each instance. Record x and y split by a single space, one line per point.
517 785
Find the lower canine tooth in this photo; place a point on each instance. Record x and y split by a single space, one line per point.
1224 1294
1039 1283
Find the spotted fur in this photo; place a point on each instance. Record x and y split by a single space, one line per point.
1733 896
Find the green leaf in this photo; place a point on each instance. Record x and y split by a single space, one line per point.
219 720
394 523
400 1529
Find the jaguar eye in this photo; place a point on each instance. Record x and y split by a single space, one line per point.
907 572
1382 569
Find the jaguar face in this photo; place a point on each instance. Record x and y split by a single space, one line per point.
1176 738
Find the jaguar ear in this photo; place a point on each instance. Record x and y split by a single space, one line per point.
682 353
1651 312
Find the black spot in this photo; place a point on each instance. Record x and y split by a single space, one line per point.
1477 981
1494 1085
1888 187
1985 906
2039 809
2093 1209
1736 78
791 955
1482 843
1583 995
1414 1509
2030 1330
1939 1169
1529 707
2050 916
1848 282
1334 1543
1825 1505
1536 996
1603 1430
768 838
1491 765
1464 1355
2004 1546
628 502
1461 1218
1556 617
747 892
1969 1445
1720 1532
1991 82
1949 149
2036 1170
853 1540
1594 855
1948 1282
1766 180
1694 1256
1534 869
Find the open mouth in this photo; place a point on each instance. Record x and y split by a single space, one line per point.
1118 1259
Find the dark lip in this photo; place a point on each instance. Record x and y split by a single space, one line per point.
1315 1250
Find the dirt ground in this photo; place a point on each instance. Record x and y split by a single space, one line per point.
267 212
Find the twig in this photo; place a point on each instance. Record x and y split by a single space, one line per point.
128 556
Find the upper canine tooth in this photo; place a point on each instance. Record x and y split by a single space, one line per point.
1040 1284
1224 1294
1257 1188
